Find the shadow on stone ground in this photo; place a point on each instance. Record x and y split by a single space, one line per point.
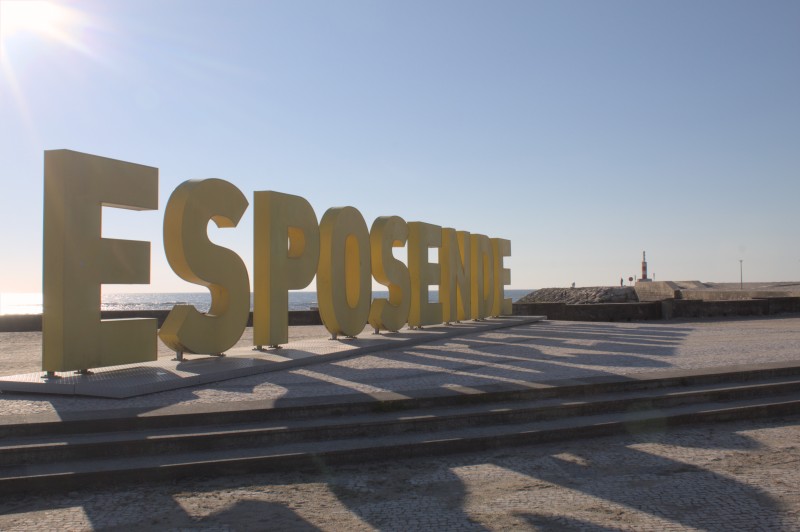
649 479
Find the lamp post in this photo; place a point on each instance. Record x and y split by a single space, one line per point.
741 283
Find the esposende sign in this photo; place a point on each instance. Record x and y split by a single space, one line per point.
290 247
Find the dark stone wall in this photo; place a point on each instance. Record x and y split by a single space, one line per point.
21 323
656 310
591 312
691 308
781 305
33 322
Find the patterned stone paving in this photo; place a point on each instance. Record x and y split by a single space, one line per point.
735 476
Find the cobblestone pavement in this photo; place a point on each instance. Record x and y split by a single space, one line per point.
734 476
737 476
539 352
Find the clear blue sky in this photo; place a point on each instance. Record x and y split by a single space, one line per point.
583 131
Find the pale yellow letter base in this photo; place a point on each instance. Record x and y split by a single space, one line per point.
278 269
388 232
195 259
77 261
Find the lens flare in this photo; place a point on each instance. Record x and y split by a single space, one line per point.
37 16
26 28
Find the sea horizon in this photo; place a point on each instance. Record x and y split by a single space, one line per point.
12 303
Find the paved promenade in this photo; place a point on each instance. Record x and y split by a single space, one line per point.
735 476
541 352
728 477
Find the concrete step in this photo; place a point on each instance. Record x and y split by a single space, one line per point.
220 414
50 463
320 455
141 442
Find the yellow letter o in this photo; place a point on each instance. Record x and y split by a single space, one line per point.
344 279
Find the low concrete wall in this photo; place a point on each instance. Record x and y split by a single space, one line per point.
591 312
688 308
782 305
21 323
730 295
656 310
653 310
33 322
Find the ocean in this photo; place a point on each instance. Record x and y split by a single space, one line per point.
31 303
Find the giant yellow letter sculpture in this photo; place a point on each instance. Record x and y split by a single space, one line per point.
344 280
389 314
195 259
77 261
502 276
289 249
421 237
455 290
482 276
278 269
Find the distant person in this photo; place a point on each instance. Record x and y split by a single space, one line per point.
573 285
621 281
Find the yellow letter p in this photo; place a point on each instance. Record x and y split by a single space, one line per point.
279 217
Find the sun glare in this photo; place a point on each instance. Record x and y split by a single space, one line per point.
37 16
27 27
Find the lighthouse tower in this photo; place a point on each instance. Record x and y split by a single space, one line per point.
644 268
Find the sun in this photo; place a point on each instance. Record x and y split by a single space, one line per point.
35 16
